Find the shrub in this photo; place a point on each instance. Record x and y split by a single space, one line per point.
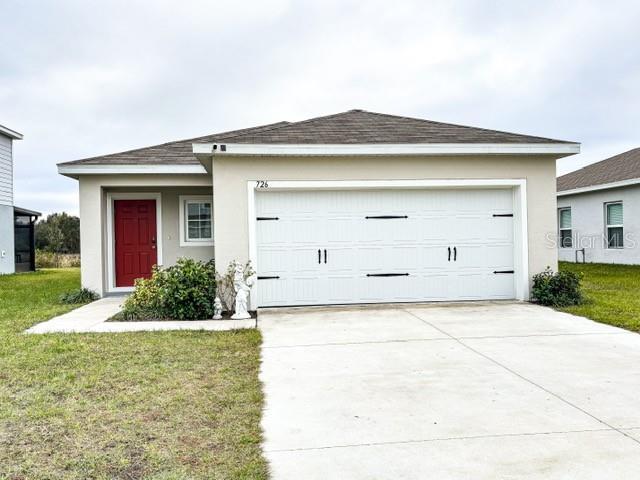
560 289
79 295
184 291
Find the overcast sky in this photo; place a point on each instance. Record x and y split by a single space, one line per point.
84 78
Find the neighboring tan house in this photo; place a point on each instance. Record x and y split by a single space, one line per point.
599 211
17 246
356 207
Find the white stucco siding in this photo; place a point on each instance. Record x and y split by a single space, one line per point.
6 171
588 226
231 174
94 192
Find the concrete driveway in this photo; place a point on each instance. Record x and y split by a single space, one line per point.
473 391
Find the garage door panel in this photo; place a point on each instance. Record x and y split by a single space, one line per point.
335 221
385 289
283 260
500 286
295 290
287 231
434 229
469 285
340 288
499 256
500 229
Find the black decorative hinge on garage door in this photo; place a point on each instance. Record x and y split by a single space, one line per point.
385 217
267 218
275 277
503 271
503 214
387 274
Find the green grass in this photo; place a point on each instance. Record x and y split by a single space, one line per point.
163 405
612 293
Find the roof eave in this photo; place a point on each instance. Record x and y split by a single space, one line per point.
75 170
557 150
10 133
602 186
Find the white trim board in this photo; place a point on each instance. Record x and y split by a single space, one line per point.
6 131
521 255
183 237
602 186
109 169
226 149
111 254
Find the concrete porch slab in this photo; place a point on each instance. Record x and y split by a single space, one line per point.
92 318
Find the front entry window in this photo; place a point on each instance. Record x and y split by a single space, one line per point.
196 220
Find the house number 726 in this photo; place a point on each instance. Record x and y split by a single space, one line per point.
262 184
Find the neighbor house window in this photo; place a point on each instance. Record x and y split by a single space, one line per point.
564 221
614 220
196 220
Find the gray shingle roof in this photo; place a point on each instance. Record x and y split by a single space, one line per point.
359 126
351 127
179 152
624 166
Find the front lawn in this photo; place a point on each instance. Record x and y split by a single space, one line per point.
161 405
612 293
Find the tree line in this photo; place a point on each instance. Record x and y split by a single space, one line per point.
58 233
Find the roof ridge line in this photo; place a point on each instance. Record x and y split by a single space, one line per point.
460 125
267 128
321 117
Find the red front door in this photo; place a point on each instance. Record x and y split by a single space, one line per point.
135 233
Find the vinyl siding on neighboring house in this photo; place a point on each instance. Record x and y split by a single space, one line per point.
6 171
588 225
7 260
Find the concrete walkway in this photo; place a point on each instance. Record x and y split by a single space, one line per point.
482 391
92 318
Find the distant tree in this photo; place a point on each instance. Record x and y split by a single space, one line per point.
58 233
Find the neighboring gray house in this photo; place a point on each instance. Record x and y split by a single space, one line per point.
599 211
16 224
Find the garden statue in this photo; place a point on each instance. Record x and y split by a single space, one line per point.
217 309
242 288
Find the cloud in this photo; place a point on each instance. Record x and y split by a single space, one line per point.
88 78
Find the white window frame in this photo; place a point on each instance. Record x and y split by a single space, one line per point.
607 226
560 229
184 200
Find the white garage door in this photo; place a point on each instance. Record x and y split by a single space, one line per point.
320 247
